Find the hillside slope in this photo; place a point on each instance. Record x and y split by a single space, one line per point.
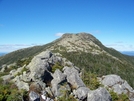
86 52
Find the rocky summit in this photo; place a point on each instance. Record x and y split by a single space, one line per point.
75 67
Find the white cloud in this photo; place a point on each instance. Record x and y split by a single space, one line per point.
13 47
121 46
59 34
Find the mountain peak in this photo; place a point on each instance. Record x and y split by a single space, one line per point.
74 42
82 35
80 42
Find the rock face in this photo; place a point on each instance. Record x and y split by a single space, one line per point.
81 93
111 80
100 94
118 85
22 85
59 83
73 77
39 66
34 96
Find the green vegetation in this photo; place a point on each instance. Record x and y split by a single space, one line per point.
23 62
101 65
23 53
121 97
57 66
66 96
18 64
114 96
21 72
9 92
90 80
3 73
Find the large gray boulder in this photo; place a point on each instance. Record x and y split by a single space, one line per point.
59 76
34 96
118 85
100 94
54 59
81 93
22 85
59 83
73 77
111 80
39 65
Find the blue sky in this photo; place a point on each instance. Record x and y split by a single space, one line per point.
25 23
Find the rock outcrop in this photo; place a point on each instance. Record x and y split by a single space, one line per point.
46 81
59 83
118 85
81 93
34 96
73 77
100 94
39 66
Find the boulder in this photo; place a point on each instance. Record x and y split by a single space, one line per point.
118 85
39 66
16 72
127 86
45 54
25 76
22 85
73 77
34 96
44 96
62 89
58 76
119 89
59 83
81 93
54 59
100 94
111 80
6 77
12 72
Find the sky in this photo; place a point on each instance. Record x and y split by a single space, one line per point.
26 23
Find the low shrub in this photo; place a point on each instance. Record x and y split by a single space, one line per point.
57 66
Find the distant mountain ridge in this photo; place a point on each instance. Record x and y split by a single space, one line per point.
85 51
130 53
1 54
